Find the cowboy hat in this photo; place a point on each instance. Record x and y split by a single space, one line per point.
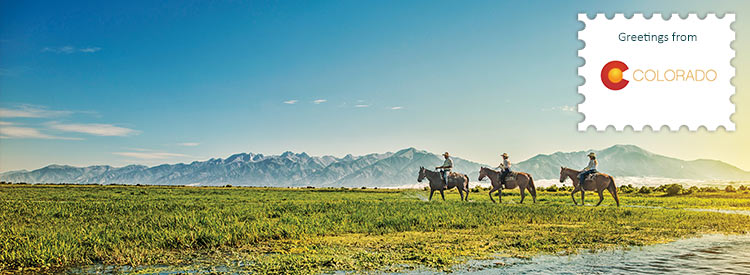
446 154
505 155
592 154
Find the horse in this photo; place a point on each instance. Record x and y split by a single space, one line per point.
523 181
598 183
458 180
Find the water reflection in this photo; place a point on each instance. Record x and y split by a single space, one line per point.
715 254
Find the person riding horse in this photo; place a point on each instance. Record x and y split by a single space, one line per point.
504 167
445 169
590 169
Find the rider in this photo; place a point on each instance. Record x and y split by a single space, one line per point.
591 168
445 169
504 167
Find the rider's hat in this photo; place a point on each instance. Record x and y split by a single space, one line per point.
592 154
505 155
446 154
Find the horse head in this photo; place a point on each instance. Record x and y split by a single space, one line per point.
562 174
482 173
422 174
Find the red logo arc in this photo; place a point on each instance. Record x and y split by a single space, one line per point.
606 75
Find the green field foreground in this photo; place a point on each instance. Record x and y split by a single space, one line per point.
51 228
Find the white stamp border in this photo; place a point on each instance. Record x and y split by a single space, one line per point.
582 126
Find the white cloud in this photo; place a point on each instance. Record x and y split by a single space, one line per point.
139 149
318 101
361 106
189 144
29 111
15 71
94 129
293 101
71 49
564 108
397 108
149 155
89 49
26 132
5 123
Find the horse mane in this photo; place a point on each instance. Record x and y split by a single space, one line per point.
571 169
428 170
493 170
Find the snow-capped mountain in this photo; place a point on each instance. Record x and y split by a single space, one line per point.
287 169
632 161
382 170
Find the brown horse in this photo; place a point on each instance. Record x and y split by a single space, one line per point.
522 180
599 182
458 180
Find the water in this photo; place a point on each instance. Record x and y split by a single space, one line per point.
710 254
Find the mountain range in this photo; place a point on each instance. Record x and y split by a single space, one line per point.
372 170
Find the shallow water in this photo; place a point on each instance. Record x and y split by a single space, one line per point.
710 254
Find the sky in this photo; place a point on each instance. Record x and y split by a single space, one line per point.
141 82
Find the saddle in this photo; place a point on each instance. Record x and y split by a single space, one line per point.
590 176
511 176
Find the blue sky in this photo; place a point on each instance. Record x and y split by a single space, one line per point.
117 83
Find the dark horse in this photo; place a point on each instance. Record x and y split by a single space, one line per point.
458 180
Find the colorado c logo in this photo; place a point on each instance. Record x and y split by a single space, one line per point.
612 75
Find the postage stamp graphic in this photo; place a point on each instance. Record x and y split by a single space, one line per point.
653 72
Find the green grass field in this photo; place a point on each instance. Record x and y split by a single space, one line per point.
49 228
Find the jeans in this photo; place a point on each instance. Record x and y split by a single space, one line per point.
583 175
444 173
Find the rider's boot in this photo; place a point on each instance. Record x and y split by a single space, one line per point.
503 175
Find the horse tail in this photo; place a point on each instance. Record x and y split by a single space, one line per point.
613 189
532 188
467 187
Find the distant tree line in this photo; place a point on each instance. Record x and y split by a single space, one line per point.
670 189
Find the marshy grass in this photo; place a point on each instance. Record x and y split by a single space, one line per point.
49 228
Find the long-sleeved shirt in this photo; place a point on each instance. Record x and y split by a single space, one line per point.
505 165
592 165
448 164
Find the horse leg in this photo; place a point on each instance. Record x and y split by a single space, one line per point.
492 190
573 196
460 193
601 196
613 191
500 195
466 189
431 191
442 194
583 192
523 193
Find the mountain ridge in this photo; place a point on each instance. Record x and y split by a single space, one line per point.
388 169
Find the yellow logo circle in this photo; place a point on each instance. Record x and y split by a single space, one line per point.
615 75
